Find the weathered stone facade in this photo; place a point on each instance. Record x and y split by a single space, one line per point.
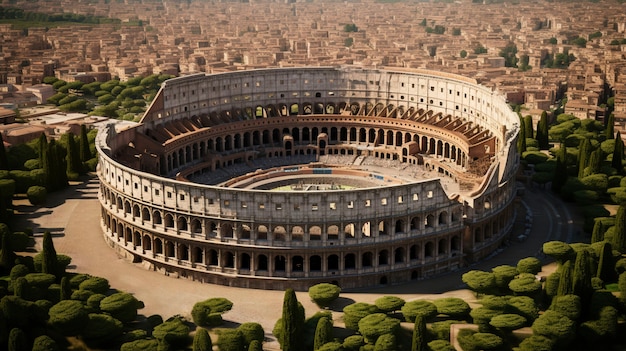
450 143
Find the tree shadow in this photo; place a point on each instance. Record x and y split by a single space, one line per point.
338 304
230 324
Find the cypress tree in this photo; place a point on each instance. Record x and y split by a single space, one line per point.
255 345
542 132
528 126
323 333
85 153
583 156
521 139
619 233
618 153
292 322
72 158
4 161
42 145
581 283
56 178
565 282
560 172
610 127
20 286
17 340
66 288
597 234
605 264
201 341
49 263
419 334
595 161
7 256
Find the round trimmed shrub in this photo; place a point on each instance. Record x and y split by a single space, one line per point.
387 304
559 250
353 342
37 195
492 302
508 322
230 340
122 306
504 274
208 313
453 306
353 313
567 305
68 317
375 325
555 326
524 306
530 265
19 270
411 309
441 345
442 329
252 331
331 346
101 328
173 331
536 343
96 284
487 341
479 281
525 284
386 342
45 343
324 294
140 345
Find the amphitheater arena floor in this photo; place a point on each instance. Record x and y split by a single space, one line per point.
73 216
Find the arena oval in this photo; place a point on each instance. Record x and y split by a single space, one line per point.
430 159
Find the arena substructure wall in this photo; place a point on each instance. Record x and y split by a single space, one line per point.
430 159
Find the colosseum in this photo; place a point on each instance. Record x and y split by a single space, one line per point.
289 177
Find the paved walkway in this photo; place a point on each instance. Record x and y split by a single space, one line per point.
73 216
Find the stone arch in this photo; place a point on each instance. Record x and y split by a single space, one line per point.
279 263
398 255
297 233
147 243
367 259
279 233
315 233
181 223
158 246
244 261
297 263
262 263
315 263
333 262
349 261
169 220
332 232
261 232
214 258
383 257
229 260
442 246
226 230
145 214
